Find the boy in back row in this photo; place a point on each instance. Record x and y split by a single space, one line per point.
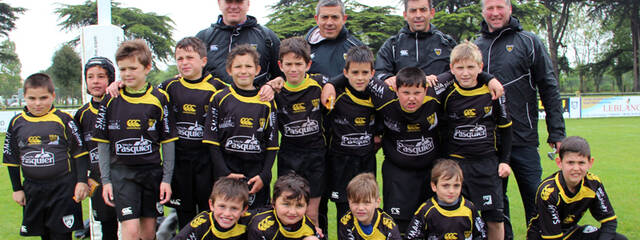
45 144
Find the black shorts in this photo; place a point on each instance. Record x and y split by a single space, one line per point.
308 164
50 207
192 181
586 232
250 169
403 190
483 186
342 168
136 191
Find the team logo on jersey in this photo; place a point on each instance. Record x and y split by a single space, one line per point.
254 46
53 139
344 56
509 47
152 125
546 192
160 208
133 146
246 122
335 195
175 201
34 140
356 139
213 47
569 219
488 110
438 51
470 132
404 53
226 123
593 177
388 223
266 223
413 127
244 144
451 236
190 131
189 109
470 113
93 155
313 55
133 124
395 211
433 121
38 159
301 128
415 147
345 219
126 211
199 220
488 201
467 235
113 125
298 107
360 121
589 229
262 122
68 220
316 104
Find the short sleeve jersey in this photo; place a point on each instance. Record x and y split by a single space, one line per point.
383 228
189 104
432 221
86 118
42 146
242 126
558 211
410 139
135 125
266 225
351 123
203 227
300 113
471 119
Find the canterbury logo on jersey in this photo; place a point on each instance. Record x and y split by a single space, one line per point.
360 121
415 147
265 223
413 127
40 158
189 108
470 113
298 107
34 140
546 192
451 236
470 132
246 122
133 124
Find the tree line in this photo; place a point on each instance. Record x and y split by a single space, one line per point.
593 44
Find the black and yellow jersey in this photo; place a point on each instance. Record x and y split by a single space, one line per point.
410 139
86 118
470 119
460 221
384 228
204 227
43 146
266 226
351 123
300 113
558 210
135 125
241 125
189 104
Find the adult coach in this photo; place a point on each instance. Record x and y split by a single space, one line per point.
235 27
330 40
418 44
521 62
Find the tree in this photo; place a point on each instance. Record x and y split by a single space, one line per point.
156 76
153 28
372 25
556 24
9 69
8 16
66 72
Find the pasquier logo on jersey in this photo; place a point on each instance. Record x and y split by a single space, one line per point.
133 146
356 140
38 159
470 132
245 144
188 130
415 147
301 128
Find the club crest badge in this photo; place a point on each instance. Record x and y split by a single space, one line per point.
509 47
438 51
68 221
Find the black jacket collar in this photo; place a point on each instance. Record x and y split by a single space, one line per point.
344 34
514 24
250 22
407 30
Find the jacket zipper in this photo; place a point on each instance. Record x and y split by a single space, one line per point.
491 46
417 50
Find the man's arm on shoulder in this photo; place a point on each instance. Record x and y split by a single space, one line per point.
547 83
385 63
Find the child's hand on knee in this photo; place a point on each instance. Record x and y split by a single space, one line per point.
18 196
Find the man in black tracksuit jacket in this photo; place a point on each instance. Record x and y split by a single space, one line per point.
221 37
521 62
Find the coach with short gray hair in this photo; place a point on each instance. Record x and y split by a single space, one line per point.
521 62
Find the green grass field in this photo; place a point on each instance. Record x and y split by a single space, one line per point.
614 143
